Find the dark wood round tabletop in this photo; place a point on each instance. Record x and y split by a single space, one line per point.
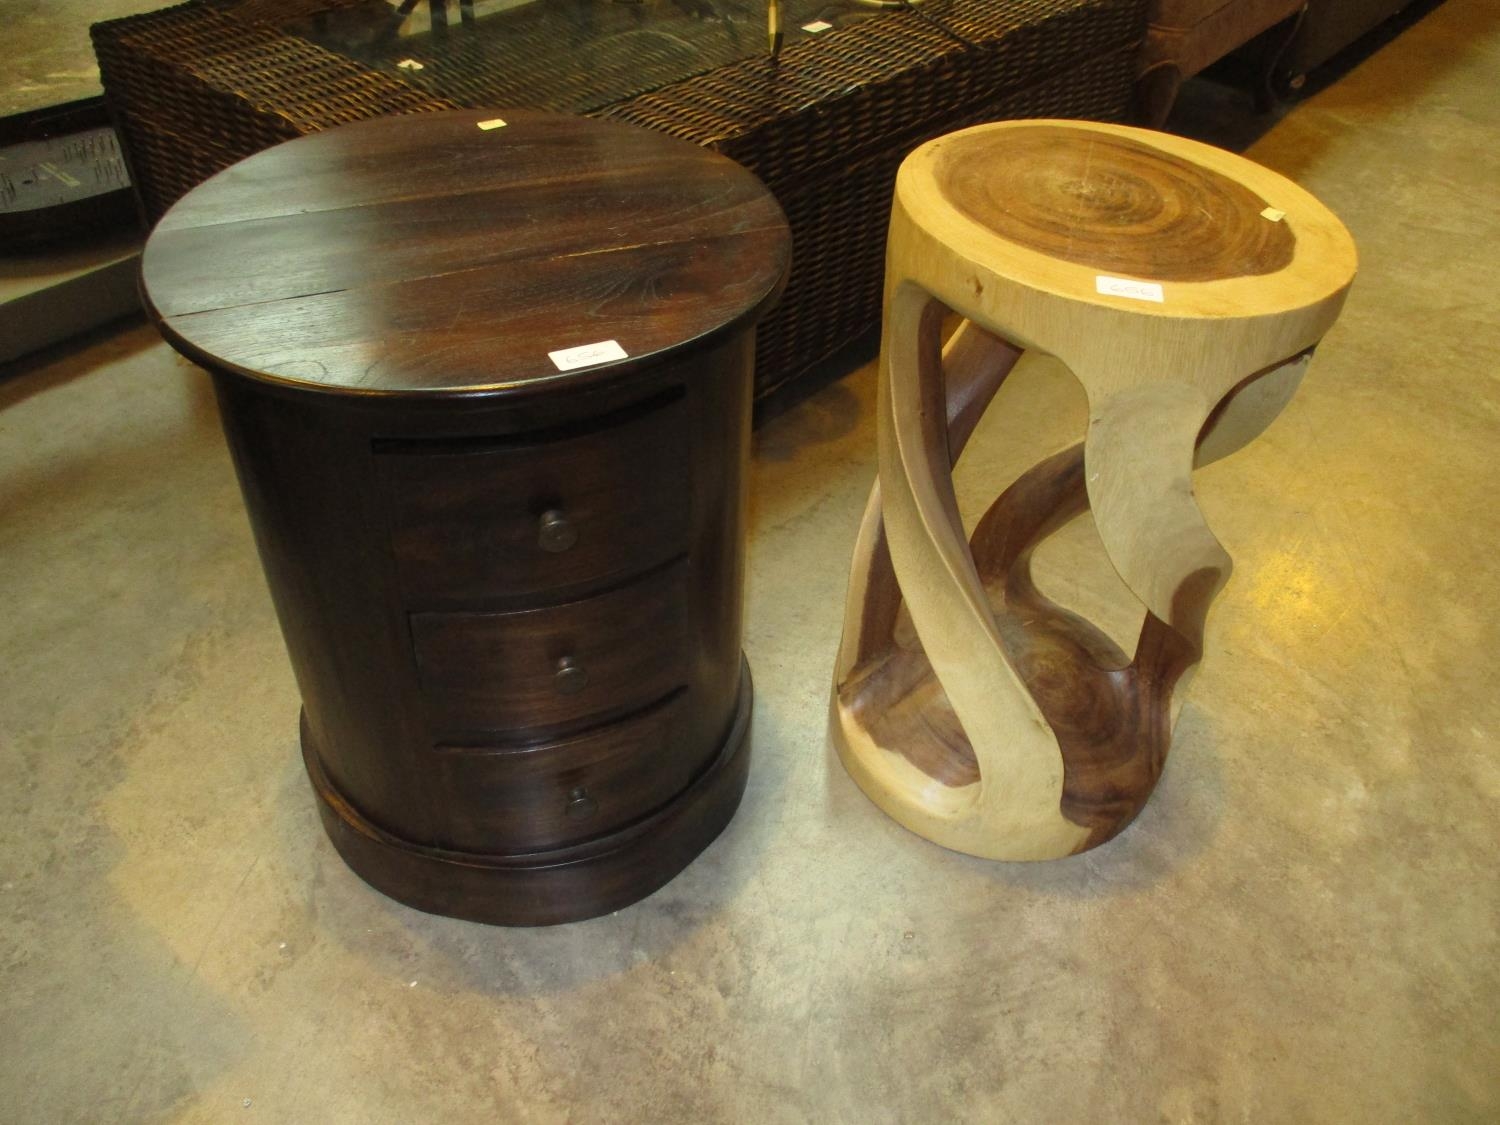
441 253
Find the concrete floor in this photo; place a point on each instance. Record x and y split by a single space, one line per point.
1301 927
48 54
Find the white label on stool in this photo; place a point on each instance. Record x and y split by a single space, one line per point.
585 355
1275 214
493 123
409 64
817 26
1124 287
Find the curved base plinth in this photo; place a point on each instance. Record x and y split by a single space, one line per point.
544 888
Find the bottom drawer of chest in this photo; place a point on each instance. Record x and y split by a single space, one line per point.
523 799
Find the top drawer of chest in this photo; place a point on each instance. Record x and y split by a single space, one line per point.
474 519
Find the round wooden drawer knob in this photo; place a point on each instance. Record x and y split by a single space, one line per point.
570 678
580 805
555 532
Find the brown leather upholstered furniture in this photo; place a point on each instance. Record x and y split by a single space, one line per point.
1184 36
1327 28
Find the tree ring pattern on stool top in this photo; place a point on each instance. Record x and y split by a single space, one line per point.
1112 204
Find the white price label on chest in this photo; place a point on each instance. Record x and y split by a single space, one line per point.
1124 287
586 355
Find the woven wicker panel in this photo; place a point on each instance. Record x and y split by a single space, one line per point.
826 135
573 56
193 90
839 224
197 87
879 84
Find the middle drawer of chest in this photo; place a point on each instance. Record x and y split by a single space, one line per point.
555 667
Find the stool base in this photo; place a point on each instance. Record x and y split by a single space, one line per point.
543 888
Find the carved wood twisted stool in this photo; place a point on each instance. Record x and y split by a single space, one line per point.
1185 288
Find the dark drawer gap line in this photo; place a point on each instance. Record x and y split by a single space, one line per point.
494 744
490 443
542 599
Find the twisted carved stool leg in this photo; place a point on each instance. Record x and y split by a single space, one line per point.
1183 287
991 719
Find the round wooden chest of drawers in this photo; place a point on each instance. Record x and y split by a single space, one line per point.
487 389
